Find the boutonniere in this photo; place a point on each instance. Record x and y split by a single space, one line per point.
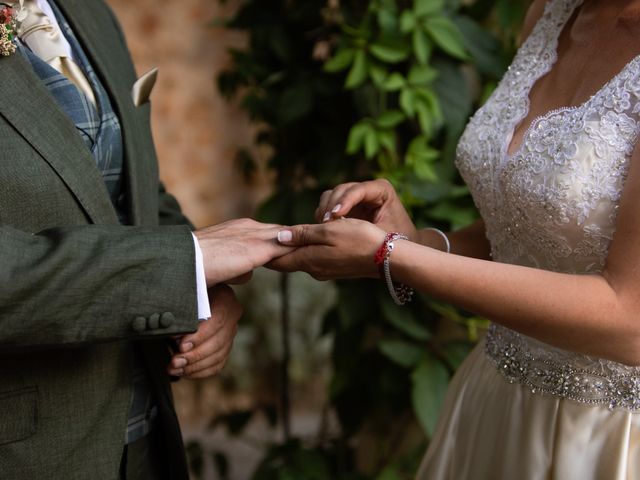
9 19
7 30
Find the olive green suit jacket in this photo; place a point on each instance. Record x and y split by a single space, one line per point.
81 295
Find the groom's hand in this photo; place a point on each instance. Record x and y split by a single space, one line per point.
204 353
234 249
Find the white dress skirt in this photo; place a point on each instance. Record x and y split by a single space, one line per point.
519 409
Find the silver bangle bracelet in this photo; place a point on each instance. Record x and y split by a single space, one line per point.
401 294
444 237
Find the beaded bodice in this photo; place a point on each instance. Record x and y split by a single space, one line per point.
552 203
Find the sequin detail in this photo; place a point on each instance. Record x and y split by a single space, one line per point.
552 203
562 374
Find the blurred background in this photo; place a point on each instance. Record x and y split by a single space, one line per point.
261 105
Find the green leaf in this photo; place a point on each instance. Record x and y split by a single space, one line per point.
419 150
425 116
403 320
447 36
389 52
430 380
407 21
407 98
427 7
389 473
356 137
371 144
422 46
387 139
484 48
378 74
388 19
394 82
430 100
390 119
295 103
403 353
340 61
454 96
421 75
358 73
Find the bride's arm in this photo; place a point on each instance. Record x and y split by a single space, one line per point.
593 314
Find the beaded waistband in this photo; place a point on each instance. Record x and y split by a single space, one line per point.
552 371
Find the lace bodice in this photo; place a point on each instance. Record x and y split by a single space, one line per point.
552 204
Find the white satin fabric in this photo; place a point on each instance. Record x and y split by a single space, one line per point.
491 429
519 409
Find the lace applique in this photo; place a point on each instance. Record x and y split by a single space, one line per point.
552 204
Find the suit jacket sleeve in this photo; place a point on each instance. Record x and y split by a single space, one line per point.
77 285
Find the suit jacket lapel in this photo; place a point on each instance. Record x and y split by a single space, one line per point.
91 21
28 106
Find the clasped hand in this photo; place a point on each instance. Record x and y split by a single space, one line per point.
345 248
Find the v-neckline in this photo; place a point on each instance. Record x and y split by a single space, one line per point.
510 151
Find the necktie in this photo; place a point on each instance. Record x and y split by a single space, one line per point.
44 38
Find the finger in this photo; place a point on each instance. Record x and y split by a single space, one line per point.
371 193
209 372
206 329
209 352
213 352
334 202
302 235
322 205
219 359
291 262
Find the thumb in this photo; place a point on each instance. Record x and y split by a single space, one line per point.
302 235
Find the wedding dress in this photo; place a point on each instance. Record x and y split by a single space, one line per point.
519 409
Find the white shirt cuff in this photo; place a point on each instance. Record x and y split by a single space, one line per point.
204 308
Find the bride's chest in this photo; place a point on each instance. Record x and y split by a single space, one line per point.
556 197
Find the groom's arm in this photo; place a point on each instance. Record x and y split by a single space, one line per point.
78 285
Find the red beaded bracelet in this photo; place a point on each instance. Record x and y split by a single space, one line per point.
400 293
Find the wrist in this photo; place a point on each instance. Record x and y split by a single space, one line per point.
400 293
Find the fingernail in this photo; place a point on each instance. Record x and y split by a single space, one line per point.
180 362
185 347
177 373
336 208
285 236
327 217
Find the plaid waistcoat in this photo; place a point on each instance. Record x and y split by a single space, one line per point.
100 130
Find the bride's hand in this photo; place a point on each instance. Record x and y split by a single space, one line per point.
375 201
341 249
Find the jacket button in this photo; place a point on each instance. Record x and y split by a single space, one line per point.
154 321
167 319
139 324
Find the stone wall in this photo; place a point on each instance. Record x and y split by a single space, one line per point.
196 132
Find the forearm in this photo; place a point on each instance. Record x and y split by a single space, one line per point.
580 313
470 241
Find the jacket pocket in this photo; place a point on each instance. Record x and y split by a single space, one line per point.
18 414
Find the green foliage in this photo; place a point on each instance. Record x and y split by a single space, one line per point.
349 91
